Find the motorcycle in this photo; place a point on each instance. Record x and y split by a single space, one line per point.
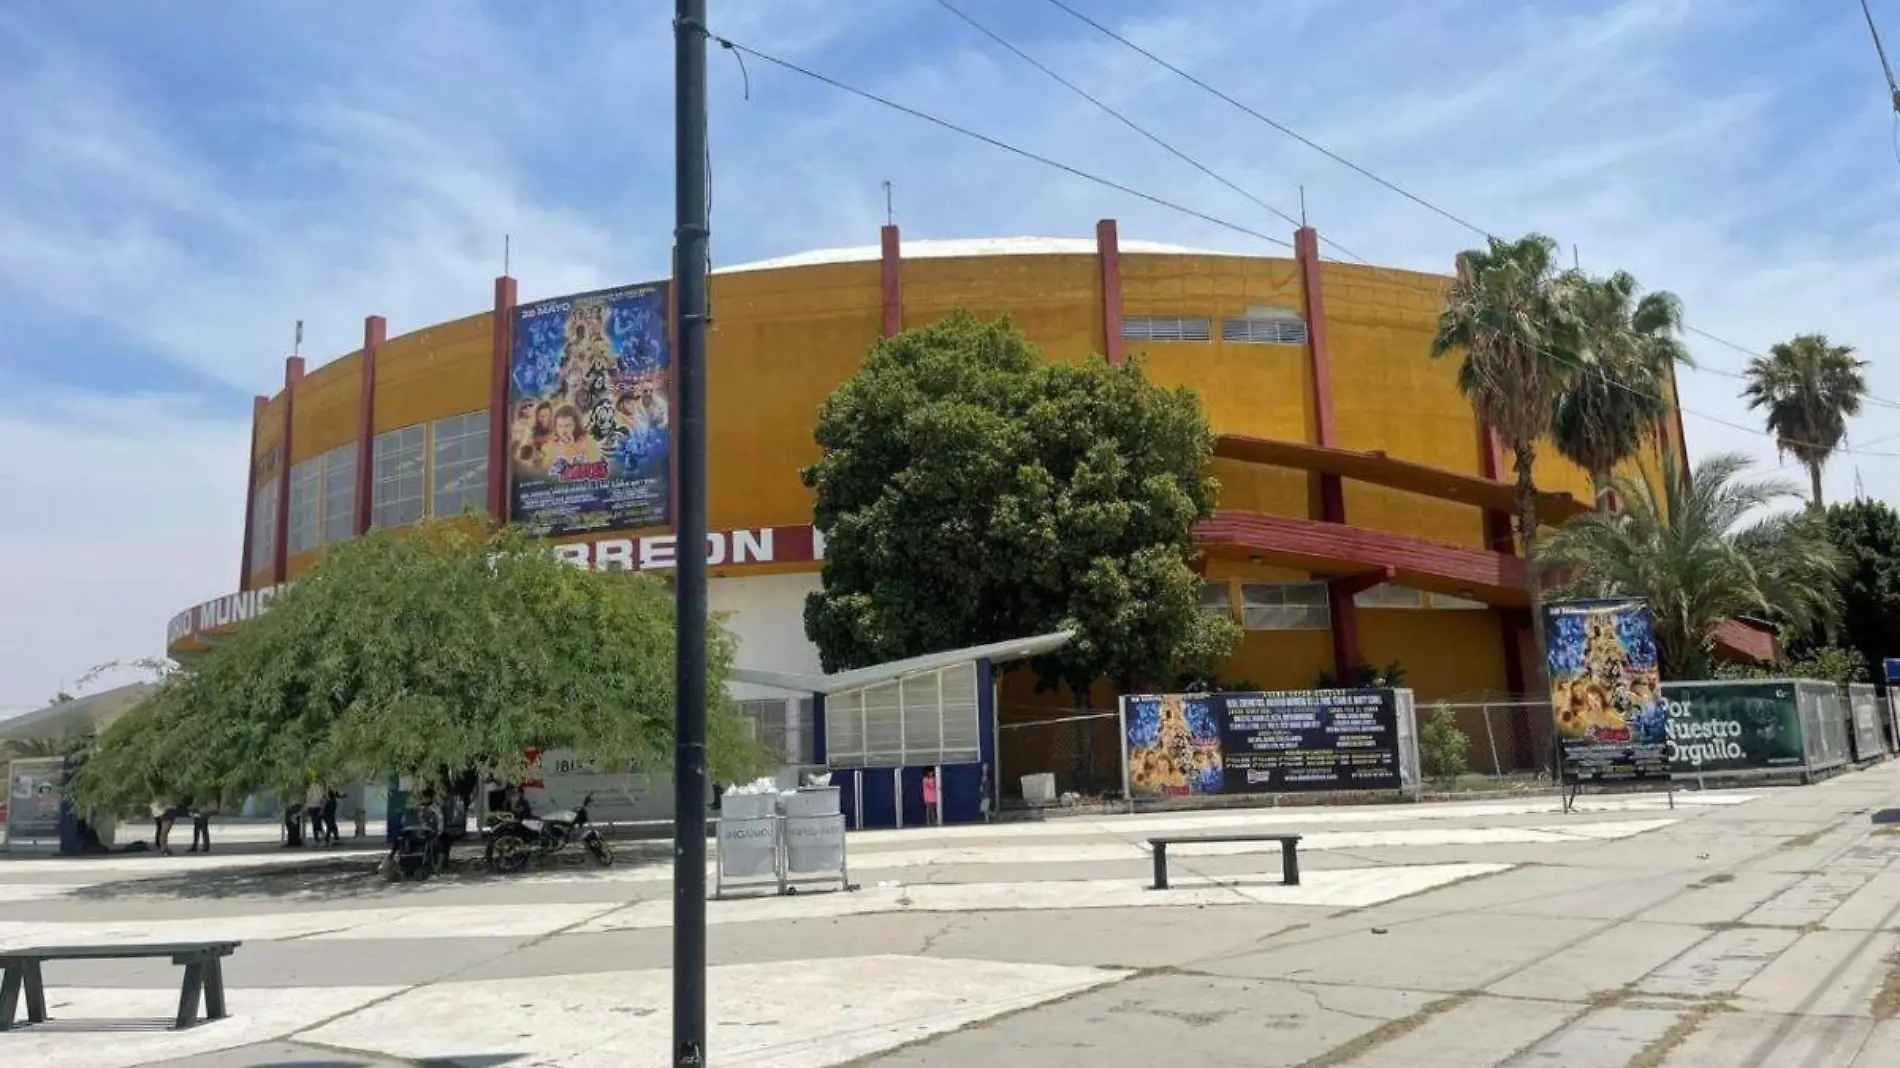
513 843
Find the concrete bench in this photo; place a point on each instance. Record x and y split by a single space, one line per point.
1289 852
203 963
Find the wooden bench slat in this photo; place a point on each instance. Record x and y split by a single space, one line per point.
204 976
126 952
1289 852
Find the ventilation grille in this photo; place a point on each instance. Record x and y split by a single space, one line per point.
1249 331
1166 328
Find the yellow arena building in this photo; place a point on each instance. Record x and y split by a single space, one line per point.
1362 516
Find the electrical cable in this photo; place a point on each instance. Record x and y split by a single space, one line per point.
1064 6
1437 292
865 94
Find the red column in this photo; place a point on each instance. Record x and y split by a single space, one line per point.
1500 538
375 332
1332 492
1108 252
501 334
891 280
280 564
258 404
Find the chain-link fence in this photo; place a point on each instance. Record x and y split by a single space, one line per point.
1080 747
1508 737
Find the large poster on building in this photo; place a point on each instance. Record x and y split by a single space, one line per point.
590 439
1181 745
1605 691
1733 726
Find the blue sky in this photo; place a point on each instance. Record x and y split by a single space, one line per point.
181 181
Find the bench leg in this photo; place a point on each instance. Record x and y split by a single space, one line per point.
35 993
10 995
1290 863
1161 865
214 989
189 996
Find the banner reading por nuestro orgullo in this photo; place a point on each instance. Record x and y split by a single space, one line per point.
1716 727
590 436
1606 691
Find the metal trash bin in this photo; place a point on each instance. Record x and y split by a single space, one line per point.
814 837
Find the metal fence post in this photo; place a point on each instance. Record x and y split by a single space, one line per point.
1491 739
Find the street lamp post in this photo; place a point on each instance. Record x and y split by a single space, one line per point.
691 230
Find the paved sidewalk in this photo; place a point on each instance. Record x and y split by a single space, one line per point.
1740 930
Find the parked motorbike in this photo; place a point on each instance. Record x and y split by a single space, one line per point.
514 843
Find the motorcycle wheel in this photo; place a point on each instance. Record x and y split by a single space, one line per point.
598 848
508 853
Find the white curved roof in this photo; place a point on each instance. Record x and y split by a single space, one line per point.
974 246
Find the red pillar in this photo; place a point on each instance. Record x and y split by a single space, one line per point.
280 563
891 279
258 404
1500 537
1332 492
501 335
375 332
1108 252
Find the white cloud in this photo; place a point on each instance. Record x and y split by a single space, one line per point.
120 511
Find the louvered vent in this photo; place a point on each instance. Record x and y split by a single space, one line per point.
1166 328
1252 331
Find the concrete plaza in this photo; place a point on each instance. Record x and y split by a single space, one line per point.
1741 929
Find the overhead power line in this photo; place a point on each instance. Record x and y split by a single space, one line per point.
865 94
1243 107
993 142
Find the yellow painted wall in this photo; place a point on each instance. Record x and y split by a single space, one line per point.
437 371
1445 652
329 403
1056 300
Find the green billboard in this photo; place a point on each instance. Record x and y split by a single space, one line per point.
1733 726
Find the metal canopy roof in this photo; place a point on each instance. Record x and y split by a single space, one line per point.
64 718
858 679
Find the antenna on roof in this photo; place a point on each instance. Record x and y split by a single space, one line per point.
296 348
506 254
1302 207
890 215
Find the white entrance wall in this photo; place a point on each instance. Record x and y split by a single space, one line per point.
767 614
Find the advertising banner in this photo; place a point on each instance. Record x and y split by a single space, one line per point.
1863 702
1180 745
33 796
1605 691
1733 726
590 440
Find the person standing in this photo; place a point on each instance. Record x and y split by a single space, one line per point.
162 816
313 797
200 829
933 812
330 835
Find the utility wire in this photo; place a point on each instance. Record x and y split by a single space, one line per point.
993 142
1118 116
1437 292
1064 6
1886 68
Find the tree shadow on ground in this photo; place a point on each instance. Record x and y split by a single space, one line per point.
356 875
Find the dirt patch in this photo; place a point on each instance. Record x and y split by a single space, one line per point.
1887 1001
1714 880
1386 1032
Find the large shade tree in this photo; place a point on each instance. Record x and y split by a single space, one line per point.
971 493
1700 552
1618 395
1867 534
1809 388
431 652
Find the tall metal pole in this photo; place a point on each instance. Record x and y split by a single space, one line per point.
689 757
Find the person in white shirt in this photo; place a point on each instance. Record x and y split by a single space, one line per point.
313 804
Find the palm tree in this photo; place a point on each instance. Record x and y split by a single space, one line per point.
1692 553
1507 314
1810 388
1618 395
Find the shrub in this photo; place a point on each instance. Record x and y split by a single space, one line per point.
1442 745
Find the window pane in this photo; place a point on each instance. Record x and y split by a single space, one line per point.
264 526
399 476
339 493
461 464
306 484
1285 606
1214 600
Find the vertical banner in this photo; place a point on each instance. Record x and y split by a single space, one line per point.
589 440
1181 745
1606 691
33 798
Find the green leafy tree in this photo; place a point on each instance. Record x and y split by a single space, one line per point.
1832 663
1618 396
1867 533
430 652
1695 555
1443 746
1809 388
970 493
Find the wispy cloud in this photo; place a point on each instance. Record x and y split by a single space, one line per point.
178 191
